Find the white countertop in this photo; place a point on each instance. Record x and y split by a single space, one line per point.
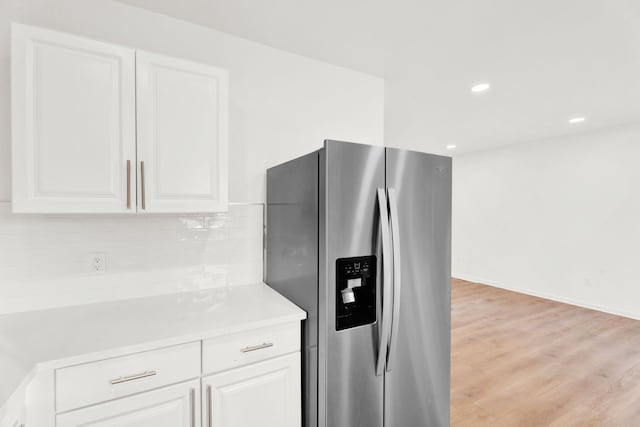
59 337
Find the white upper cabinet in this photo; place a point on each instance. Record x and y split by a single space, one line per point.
103 128
73 122
182 135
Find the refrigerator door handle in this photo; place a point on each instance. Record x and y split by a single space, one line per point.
383 324
397 275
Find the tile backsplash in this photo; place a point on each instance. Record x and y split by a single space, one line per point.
45 260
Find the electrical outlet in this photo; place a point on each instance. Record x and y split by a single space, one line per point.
98 263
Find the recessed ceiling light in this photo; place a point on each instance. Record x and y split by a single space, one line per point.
480 87
451 147
577 120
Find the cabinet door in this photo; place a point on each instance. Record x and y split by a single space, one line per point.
175 406
265 394
182 135
73 113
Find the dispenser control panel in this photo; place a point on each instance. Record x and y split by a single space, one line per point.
355 292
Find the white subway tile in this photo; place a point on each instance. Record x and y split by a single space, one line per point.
45 259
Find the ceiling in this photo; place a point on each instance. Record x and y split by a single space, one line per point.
547 60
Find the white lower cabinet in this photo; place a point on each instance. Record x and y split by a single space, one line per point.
250 378
173 406
265 394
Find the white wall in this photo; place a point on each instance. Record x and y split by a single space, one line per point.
281 105
558 218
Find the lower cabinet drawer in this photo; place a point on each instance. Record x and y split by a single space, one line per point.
172 406
229 351
90 383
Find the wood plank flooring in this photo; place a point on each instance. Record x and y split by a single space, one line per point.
521 361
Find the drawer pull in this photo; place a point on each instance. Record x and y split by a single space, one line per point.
145 374
257 347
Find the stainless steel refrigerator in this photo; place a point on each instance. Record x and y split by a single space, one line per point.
359 236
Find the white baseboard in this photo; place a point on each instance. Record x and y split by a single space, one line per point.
604 309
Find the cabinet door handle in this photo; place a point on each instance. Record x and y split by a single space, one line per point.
144 374
144 204
192 402
128 184
209 407
257 347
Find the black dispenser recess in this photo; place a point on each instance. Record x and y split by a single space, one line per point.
355 291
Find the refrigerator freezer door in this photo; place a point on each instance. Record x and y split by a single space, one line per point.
350 394
417 387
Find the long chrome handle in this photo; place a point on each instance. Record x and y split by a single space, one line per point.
192 402
397 276
128 184
144 204
144 374
209 406
383 324
257 347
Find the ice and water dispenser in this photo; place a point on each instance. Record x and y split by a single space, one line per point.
355 292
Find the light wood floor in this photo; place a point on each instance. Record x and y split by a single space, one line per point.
523 361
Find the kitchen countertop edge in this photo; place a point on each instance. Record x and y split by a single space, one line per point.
285 311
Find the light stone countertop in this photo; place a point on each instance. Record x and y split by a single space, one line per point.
49 339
